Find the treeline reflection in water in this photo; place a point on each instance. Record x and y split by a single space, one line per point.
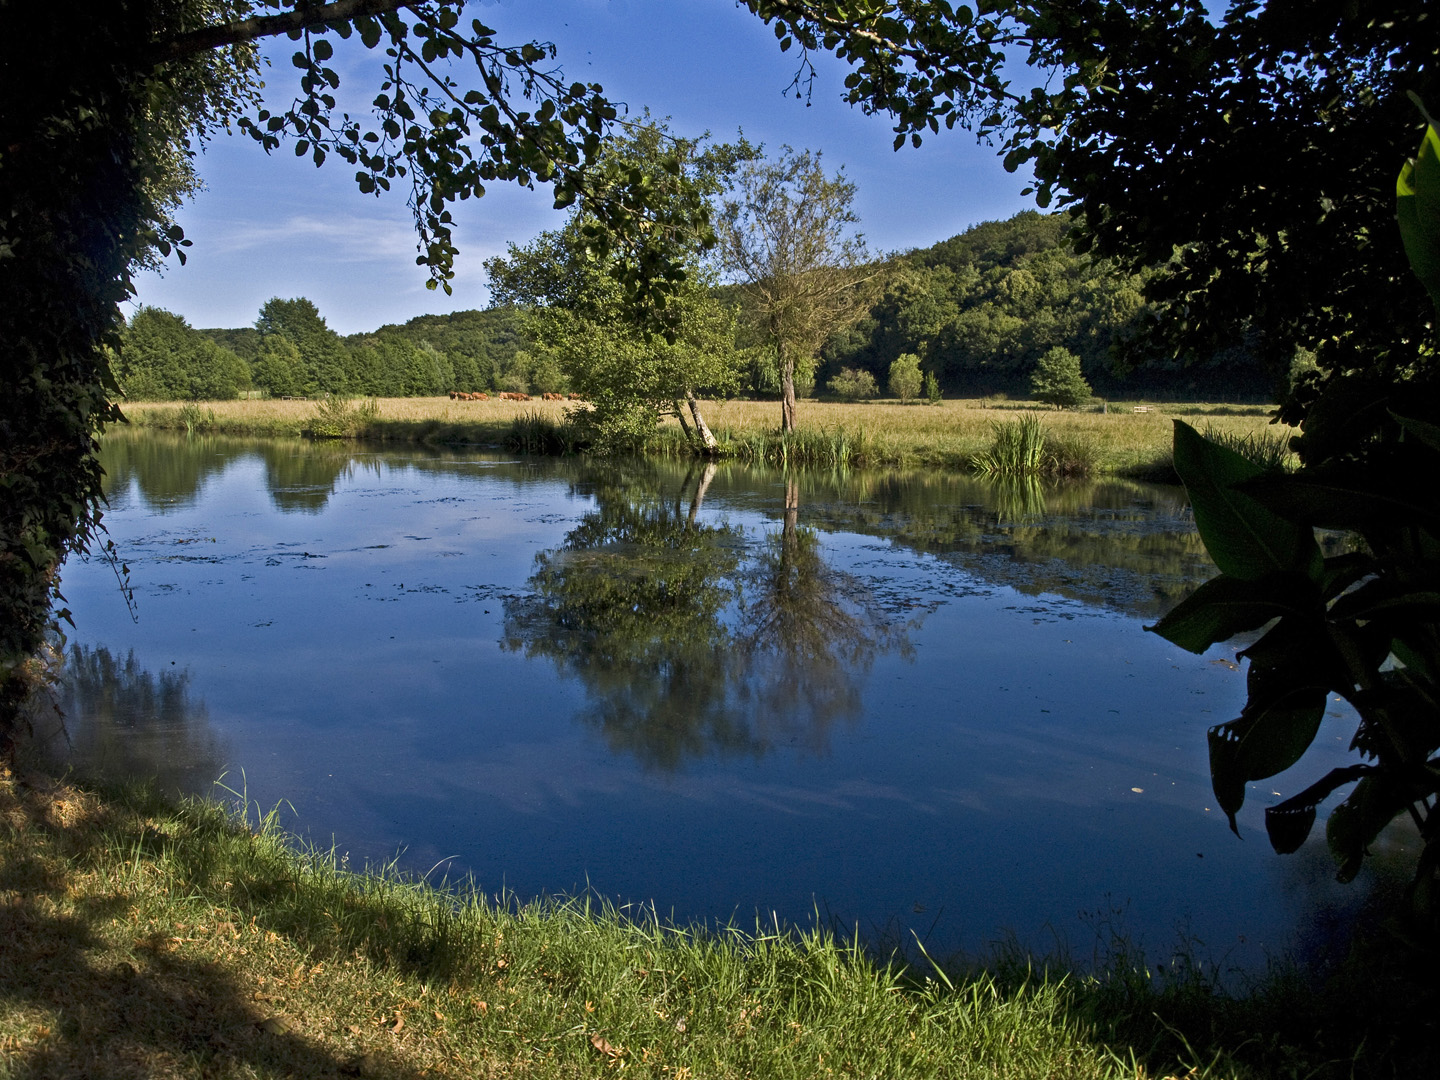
114 720
1124 545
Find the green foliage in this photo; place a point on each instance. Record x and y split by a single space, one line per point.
1364 625
981 308
851 384
1147 103
932 389
279 369
1058 381
586 334
480 346
338 417
162 359
787 243
96 143
906 380
1270 449
323 357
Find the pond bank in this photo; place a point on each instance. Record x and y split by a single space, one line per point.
171 939
1128 440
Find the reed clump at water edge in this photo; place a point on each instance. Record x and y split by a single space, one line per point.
1024 446
145 938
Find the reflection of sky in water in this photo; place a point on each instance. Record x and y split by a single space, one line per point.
351 661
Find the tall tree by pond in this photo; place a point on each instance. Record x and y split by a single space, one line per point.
578 312
786 241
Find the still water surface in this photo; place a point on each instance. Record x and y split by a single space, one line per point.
909 703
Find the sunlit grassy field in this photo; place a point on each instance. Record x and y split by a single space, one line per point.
947 435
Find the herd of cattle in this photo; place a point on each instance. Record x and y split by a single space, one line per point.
506 395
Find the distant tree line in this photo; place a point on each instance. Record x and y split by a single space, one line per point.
291 352
979 312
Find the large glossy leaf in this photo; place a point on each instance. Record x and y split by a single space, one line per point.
1226 606
1245 539
1297 651
1268 738
1429 434
1389 600
1417 208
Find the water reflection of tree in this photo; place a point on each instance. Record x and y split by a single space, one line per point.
691 642
123 722
169 469
301 476
808 635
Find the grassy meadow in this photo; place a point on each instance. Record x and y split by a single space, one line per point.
145 938
880 434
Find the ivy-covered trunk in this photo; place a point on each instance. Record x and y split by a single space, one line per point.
73 218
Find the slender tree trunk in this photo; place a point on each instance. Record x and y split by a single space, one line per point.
790 530
707 440
787 389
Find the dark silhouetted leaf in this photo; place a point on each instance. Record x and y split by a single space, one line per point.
1244 539
1226 606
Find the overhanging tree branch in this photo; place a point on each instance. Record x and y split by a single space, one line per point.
262 26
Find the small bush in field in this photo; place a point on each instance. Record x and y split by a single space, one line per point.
1059 381
853 384
905 378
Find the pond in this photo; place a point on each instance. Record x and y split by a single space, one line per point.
915 705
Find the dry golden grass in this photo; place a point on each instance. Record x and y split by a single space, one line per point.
944 435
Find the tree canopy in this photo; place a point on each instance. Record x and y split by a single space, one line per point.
1249 155
578 309
786 240
162 358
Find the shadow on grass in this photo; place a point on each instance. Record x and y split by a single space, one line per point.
90 987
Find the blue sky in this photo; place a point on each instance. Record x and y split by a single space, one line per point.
278 226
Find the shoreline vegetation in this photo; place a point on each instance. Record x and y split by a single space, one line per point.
1127 439
165 938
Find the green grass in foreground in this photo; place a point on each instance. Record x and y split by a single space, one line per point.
139 938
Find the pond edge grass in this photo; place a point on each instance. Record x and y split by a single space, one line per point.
953 438
293 960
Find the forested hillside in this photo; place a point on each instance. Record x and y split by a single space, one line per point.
979 310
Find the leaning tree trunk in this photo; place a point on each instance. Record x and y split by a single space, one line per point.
707 440
680 415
